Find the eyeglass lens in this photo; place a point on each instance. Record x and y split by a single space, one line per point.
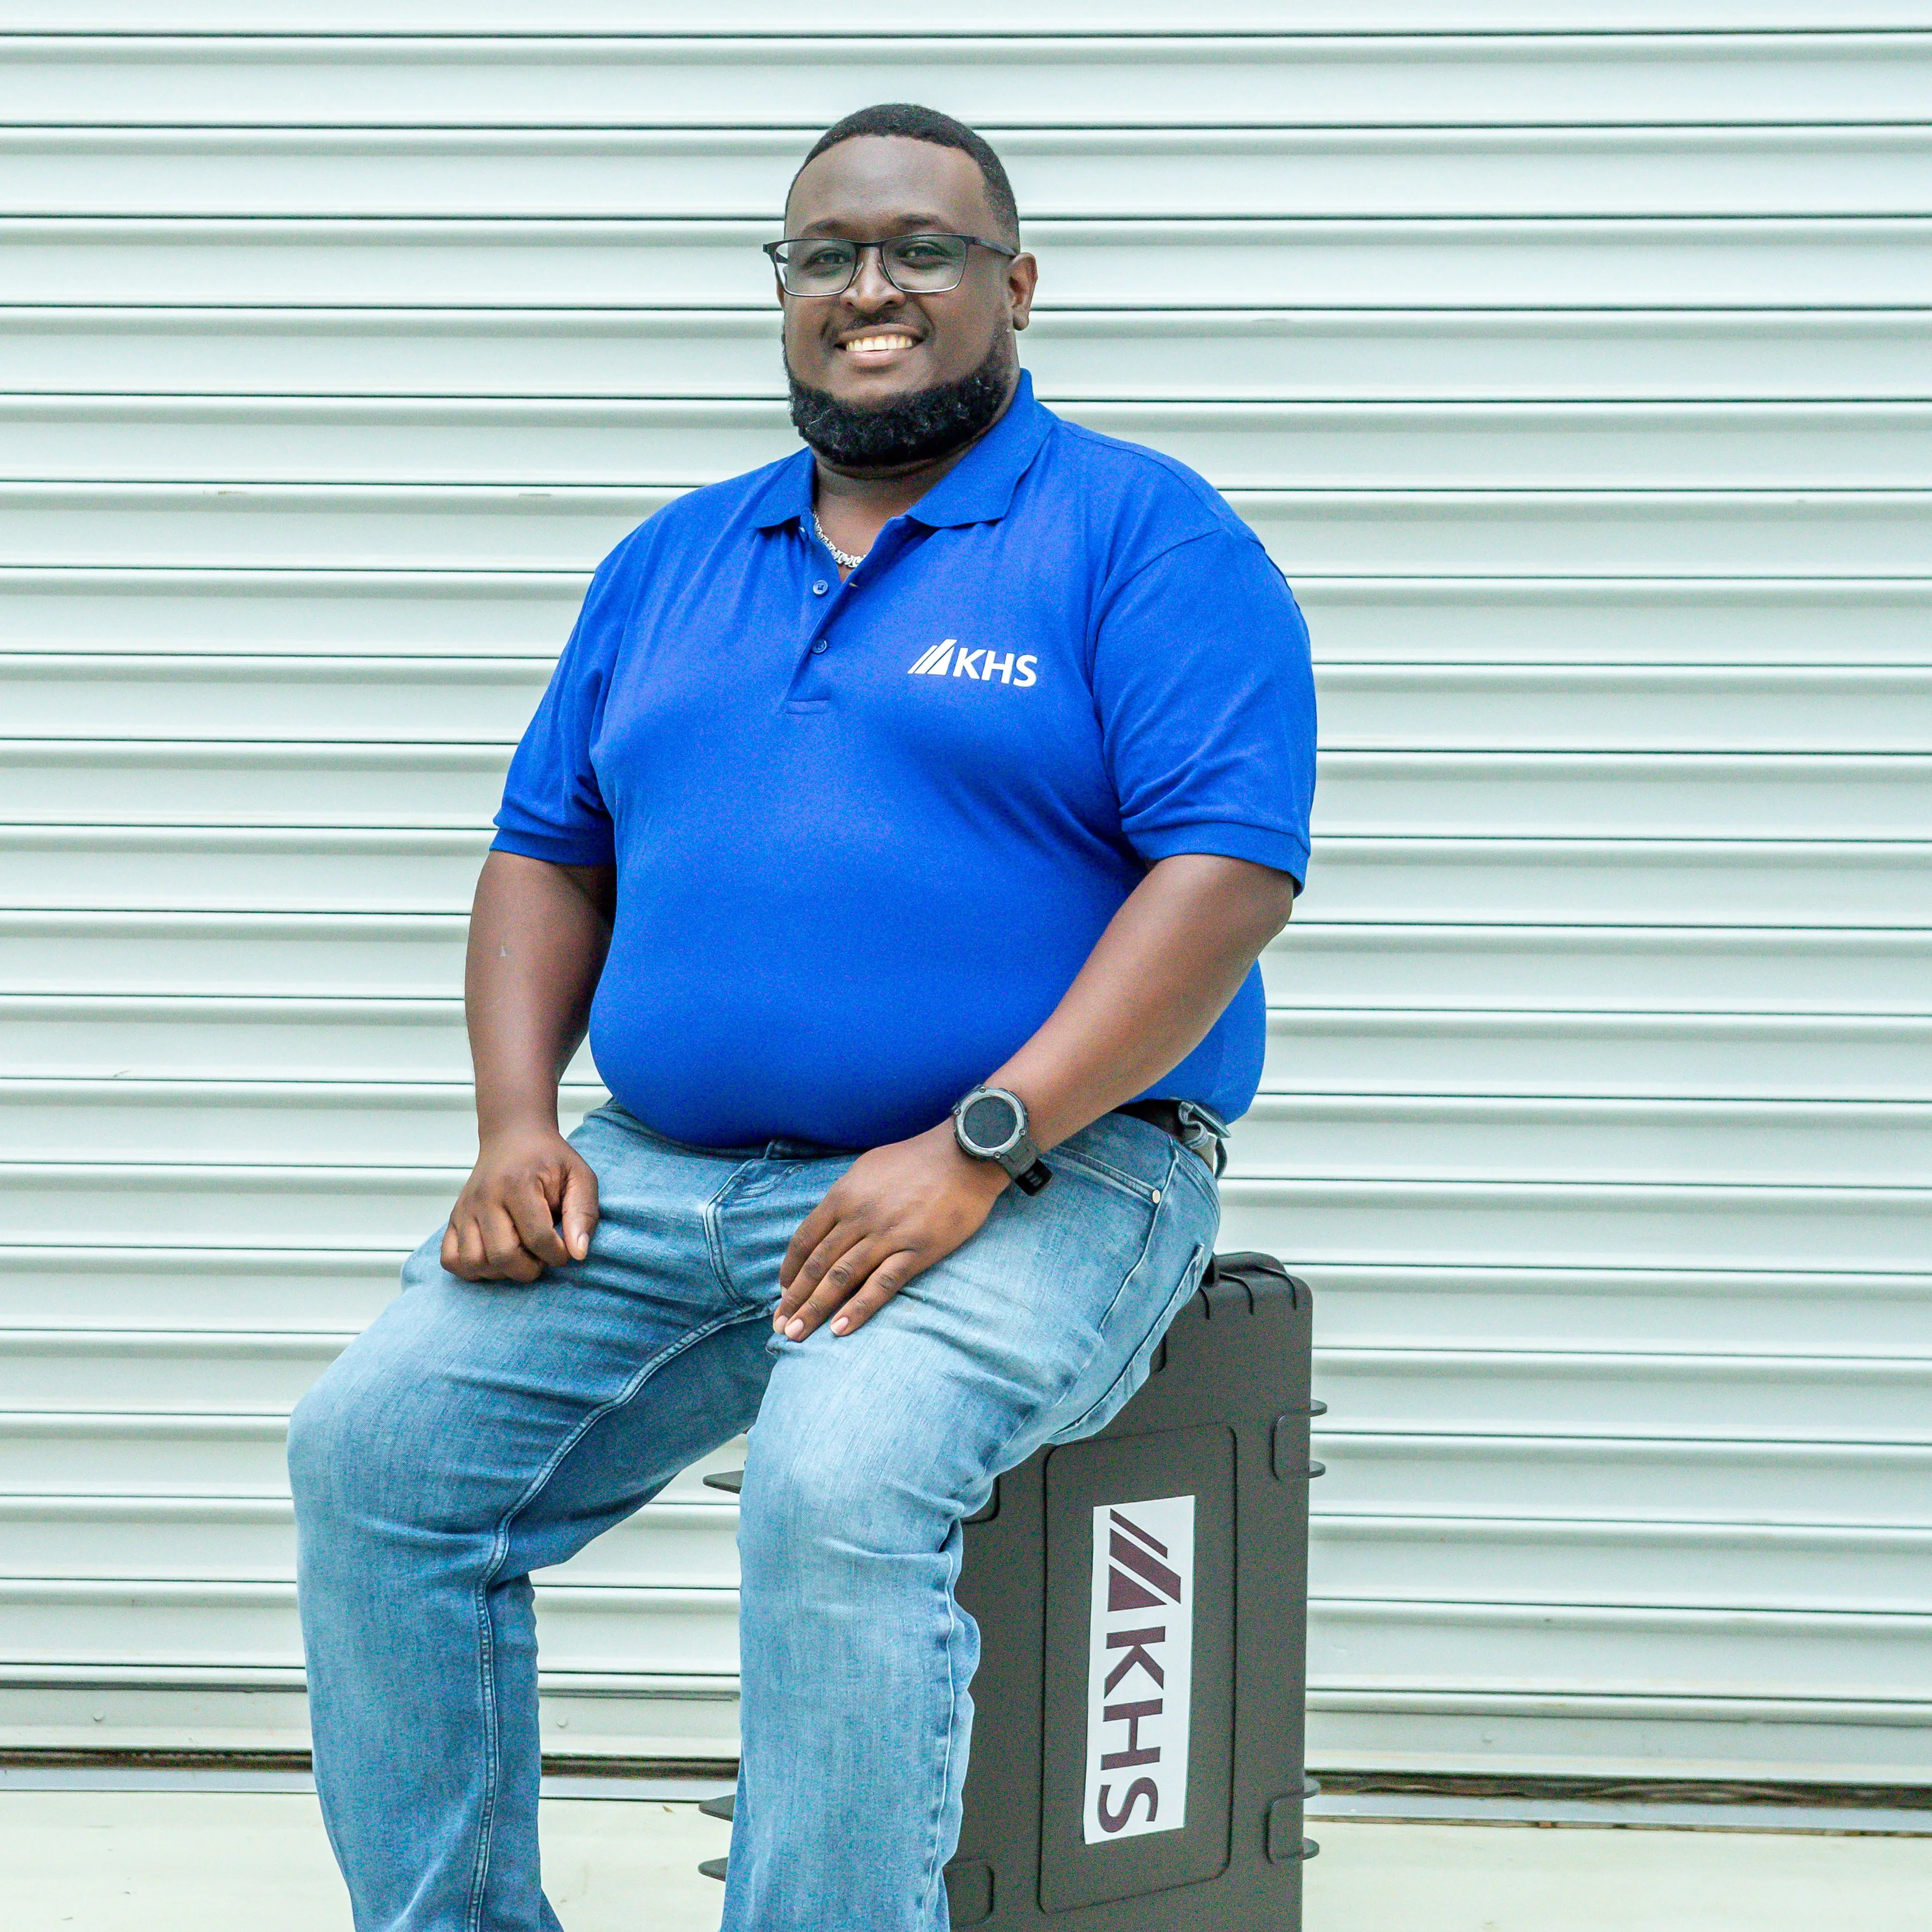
914 264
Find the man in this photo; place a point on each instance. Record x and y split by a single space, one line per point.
965 750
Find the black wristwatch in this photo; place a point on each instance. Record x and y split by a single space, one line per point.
992 1124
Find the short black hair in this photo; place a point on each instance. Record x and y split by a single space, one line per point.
908 122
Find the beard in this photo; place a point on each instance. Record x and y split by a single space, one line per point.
907 430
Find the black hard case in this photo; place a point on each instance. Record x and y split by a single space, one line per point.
1224 1417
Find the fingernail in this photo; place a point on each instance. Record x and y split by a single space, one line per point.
795 1329
839 1327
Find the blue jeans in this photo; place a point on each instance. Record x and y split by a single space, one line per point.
477 1432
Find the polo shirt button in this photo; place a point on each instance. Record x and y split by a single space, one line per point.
819 588
819 648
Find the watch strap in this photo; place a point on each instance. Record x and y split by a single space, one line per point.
1020 1157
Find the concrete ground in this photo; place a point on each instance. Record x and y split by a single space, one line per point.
226 1861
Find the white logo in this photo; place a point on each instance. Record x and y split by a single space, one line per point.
1140 1669
944 660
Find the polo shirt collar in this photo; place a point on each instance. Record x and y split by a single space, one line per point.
978 489
786 497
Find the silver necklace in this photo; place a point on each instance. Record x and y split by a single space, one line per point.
844 559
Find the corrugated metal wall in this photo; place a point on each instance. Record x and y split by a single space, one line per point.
1578 379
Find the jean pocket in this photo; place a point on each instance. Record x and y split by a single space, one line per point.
1094 1168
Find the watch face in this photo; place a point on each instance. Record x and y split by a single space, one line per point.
989 1123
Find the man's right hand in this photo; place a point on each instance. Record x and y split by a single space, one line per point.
530 1204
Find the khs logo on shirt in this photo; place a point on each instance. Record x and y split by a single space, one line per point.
947 660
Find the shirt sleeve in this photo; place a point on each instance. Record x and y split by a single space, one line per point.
553 808
1207 705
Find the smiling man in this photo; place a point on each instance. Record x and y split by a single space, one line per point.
904 821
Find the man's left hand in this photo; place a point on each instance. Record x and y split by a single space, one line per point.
893 1213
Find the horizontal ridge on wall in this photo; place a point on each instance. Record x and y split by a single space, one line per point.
1357 1219
1578 1052
1400 263
643 444
1072 173
1297 1134
310 537
1419 22
1584 617
1520 1559
1635 966
807 81
1470 793
1147 351
310 708
1864 884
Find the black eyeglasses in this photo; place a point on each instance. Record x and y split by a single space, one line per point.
915 265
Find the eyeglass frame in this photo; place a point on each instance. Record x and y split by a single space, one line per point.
771 248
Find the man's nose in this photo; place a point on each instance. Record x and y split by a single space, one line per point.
870 289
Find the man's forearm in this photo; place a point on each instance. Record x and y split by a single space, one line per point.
1157 979
538 937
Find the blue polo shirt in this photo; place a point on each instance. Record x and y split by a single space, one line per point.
866 834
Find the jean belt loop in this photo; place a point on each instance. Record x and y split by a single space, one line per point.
1200 1127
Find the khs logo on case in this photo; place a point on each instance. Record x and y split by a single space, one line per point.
1140 1669
950 660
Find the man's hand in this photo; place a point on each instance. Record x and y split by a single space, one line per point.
530 1203
895 1211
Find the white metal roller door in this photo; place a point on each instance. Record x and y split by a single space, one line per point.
1570 358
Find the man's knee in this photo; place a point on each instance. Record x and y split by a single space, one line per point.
802 1507
319 1431
369 1431
346 1454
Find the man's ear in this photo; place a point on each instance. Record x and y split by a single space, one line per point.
1022 278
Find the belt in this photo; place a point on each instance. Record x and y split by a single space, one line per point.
1192 1125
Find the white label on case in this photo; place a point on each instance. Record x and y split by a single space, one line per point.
1140 1668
